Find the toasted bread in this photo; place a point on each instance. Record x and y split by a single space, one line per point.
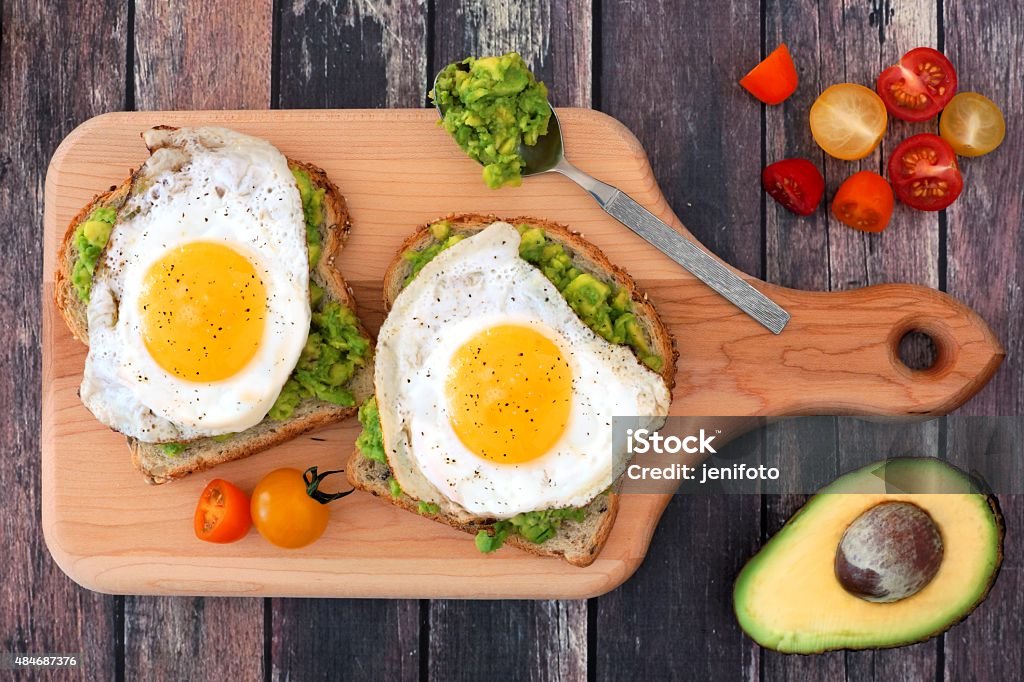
156 465
577 542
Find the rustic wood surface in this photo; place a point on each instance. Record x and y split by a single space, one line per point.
668 72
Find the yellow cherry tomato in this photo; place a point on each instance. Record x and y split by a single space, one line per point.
848 121
288 510
972 124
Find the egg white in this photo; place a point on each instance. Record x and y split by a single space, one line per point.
204 184
476 284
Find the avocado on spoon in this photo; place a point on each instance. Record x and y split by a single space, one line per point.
547 156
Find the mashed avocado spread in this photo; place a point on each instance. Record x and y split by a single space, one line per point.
370 441
335 347
491 105
606 310
535 526
173 449
90 238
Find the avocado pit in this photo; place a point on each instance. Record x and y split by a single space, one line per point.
889 553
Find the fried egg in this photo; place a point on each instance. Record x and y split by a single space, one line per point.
493 394
199 306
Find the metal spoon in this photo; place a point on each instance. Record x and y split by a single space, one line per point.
547 156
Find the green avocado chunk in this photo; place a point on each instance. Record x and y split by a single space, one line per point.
334 350
427 508
417 259
396 490
795 594
370 441
492 105
91 236
173 449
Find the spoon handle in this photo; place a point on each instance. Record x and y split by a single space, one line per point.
705 267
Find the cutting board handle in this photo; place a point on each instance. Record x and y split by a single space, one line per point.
840 353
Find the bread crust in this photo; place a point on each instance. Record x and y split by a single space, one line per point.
149 458
370 476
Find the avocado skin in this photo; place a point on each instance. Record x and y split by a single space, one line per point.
973 484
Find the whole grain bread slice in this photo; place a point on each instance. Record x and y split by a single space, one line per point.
155 463
578 543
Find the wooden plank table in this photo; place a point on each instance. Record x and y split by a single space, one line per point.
667 70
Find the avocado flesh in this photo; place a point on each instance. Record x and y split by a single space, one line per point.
490 106
787 597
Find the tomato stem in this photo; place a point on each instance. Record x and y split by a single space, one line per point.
313 481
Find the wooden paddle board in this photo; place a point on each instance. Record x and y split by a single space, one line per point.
112 532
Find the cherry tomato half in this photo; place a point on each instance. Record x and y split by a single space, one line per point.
919 86
287 508
222 514
972 124
795 183
924 173
774 79
848 121
864 202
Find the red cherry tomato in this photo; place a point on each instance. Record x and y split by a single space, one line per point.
795 183
924 173
919 86
222 514
774 79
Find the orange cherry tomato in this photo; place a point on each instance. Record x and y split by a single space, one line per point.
289 510
774 79
864 202
222 514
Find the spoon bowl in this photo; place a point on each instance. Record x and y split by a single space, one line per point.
547 154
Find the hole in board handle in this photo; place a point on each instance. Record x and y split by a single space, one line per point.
917 350
923 347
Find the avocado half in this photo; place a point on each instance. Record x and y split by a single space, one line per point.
788 598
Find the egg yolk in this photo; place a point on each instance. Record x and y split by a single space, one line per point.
509 394
202 311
